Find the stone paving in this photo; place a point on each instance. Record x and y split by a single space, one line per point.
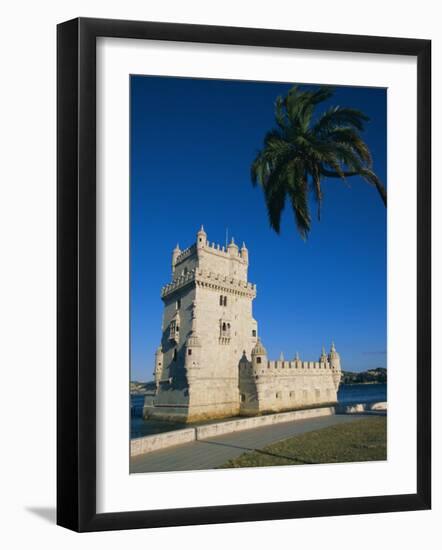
215 451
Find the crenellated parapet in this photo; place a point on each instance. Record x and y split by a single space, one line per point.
275 368
230 252
276 385
212 280
185 254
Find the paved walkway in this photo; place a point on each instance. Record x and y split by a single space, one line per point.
215 451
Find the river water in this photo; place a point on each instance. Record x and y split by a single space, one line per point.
348 393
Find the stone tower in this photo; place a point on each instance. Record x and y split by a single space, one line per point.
207 326
335 364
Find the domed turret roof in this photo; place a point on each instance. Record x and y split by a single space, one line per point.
259 349
232 244
333 353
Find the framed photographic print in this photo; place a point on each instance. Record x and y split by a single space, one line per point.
243 274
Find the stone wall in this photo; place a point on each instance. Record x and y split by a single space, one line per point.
284 385
157 442
230 426
150 443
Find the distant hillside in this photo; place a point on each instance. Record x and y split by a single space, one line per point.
141 387
371 376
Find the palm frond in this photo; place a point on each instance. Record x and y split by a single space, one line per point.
300 152
348 136
275 194
338 116
280 113
297 191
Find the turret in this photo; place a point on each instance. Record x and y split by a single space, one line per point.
175 253
232 249
259 354
201 238
323 357
158 371
192 348
244 253
335 364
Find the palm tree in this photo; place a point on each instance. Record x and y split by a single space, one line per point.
302 151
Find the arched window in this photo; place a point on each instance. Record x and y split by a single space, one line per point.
189 352
224 327
174 330
258 359
225 301
175 354
221 300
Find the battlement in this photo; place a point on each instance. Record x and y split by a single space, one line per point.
210 259
283 367
186 254
211 248
206 278
229 259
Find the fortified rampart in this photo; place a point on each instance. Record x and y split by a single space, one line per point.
268 386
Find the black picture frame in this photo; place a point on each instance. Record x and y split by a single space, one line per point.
76 274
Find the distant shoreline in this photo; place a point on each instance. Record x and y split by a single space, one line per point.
361 383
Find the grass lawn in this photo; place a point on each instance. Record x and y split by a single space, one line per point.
357 441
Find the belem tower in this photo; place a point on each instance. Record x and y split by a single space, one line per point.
211 362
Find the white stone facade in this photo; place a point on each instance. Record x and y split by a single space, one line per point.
210 363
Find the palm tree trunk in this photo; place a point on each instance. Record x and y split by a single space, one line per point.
375 181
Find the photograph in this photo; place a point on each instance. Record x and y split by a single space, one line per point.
220 275
258 274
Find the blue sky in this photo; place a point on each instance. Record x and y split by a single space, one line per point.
192 143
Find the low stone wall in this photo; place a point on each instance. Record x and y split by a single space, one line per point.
149 443
212 430
382 406
353 408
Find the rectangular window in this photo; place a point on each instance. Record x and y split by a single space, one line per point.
253 333
220 300
258 359
189 352
178 304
